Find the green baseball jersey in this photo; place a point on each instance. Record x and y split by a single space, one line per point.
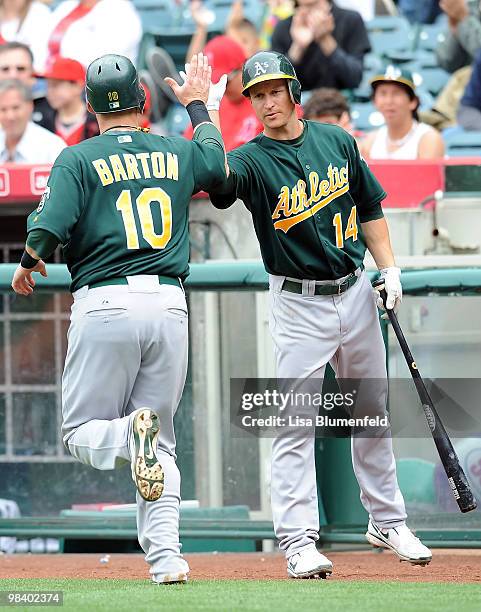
307 198
118 203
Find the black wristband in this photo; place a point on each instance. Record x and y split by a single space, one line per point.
28 262
197 112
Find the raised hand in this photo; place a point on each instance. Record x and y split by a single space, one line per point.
196 83
301 33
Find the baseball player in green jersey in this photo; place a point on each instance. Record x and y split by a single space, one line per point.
316 207
118 204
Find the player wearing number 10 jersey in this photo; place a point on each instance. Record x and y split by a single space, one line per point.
118 204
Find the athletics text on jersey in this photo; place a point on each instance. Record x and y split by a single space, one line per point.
308 198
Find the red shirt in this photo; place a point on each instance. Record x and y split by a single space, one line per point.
238 123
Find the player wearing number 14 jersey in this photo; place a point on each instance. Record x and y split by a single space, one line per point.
316 206
118 204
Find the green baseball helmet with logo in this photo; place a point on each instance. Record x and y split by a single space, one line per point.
112 85
395 74
267 66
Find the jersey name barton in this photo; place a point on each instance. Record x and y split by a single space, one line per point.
129 166
294 205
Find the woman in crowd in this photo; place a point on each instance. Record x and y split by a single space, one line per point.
402 136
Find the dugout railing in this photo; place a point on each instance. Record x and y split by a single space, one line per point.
341 515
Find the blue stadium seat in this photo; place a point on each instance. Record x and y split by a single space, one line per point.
460 143
429 36
365 116
433 79
156 13
176 120
388 33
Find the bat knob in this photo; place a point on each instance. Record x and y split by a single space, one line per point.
379 285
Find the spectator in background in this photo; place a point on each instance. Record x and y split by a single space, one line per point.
26 21
238 28
245 33
87 29
276 10
469 110
463 39
238 121
21 140
403 137
66 95
327 105
325 43
242 30
16 62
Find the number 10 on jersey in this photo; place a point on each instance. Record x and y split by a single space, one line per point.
147 197
351 228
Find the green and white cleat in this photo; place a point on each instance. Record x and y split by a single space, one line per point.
147 473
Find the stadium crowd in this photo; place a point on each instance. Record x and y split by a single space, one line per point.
403 77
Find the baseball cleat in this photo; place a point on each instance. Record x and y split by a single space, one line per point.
147 473
400 540
308 563
180 578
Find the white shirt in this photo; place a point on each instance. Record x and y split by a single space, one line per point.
37 146
408 150
33 32
112 26
367 8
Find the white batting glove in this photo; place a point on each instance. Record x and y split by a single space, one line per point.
392 285
216 91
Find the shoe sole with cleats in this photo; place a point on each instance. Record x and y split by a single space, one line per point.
147 472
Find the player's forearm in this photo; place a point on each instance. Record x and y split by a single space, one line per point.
215 118
41 243
376 234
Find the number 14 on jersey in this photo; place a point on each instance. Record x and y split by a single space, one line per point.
351 228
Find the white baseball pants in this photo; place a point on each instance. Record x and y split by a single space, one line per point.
310 331
127 349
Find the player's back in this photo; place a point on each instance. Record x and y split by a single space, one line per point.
127 193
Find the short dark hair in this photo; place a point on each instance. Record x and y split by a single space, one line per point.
16 46
325 101
244 24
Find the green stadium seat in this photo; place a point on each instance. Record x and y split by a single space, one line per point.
416 480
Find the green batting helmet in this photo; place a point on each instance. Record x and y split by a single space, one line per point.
267 66
112 85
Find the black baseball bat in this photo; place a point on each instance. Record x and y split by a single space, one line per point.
455 473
